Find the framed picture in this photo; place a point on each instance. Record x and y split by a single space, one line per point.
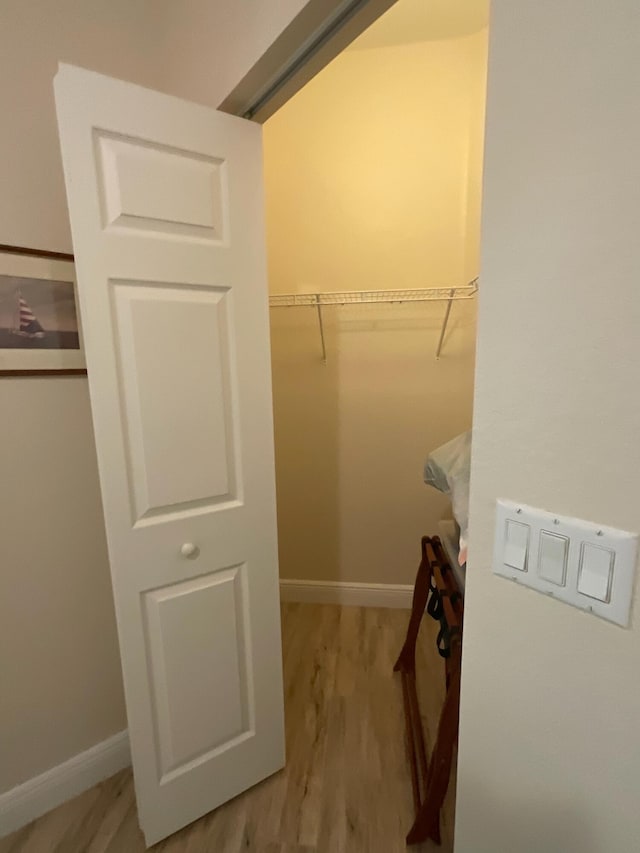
39 320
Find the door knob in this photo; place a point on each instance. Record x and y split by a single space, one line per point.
188 549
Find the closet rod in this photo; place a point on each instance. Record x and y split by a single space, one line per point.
361 297
356 297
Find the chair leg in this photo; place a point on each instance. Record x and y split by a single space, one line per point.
407 658
427 822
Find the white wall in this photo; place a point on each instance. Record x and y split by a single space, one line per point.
209 45
549 754
369 174
59 666
61 680
194 49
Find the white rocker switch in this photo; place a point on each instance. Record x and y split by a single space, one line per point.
552 557
582 563
595 571
516 545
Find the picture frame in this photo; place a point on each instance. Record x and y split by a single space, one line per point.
40 332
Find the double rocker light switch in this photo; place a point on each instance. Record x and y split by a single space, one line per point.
589 566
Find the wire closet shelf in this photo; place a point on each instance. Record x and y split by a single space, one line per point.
362 297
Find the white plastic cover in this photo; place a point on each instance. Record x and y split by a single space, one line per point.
447 469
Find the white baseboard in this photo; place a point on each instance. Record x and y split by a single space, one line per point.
28 801
352 594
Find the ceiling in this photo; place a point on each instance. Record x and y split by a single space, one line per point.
410 21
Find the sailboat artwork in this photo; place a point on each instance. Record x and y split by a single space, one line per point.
39 322
36 313
27 326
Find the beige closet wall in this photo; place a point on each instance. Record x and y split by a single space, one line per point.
60 680
549 754
370 173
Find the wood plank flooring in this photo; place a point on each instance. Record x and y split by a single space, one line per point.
346 787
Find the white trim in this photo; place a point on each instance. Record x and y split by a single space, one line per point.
351 594
28 801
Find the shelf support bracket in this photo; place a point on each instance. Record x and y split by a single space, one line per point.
445 321
321 327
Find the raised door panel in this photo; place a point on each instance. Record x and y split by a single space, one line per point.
198 653
175 377
158 188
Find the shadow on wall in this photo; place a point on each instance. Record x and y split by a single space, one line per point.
351 435
532 826
305 410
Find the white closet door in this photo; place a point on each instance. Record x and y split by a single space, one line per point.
166 210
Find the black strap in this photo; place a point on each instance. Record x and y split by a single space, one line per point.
434 605
444 640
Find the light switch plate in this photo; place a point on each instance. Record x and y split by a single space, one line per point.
578 533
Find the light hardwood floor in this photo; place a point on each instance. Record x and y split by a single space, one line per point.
346 787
